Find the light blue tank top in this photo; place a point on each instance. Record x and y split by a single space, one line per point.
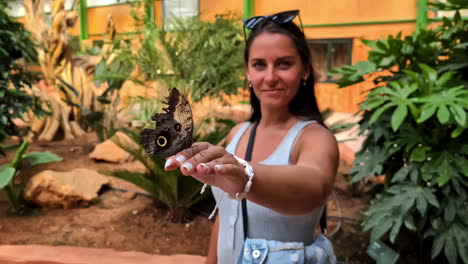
263 222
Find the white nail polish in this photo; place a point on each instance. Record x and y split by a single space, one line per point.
204 166
180 159
188 167
219 167
168 163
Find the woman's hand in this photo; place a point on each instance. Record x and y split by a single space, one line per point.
210 164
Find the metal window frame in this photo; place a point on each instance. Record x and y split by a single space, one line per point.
248 8
83 14
330 43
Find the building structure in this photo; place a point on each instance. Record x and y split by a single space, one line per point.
334 29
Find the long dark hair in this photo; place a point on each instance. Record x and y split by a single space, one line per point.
304 104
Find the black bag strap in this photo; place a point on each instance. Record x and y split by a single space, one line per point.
323 220
248 157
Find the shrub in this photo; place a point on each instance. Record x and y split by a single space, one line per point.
415 124
15 97
9 171
200 58
170 188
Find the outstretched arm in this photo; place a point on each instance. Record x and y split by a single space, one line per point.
293 189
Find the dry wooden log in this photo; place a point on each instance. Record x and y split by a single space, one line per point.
55 59
76 129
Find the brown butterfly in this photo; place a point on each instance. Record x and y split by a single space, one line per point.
170 135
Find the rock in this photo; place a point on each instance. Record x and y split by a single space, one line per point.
71 189
110 152
128 195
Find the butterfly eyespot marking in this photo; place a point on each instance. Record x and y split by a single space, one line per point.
177 127
170 135
161 141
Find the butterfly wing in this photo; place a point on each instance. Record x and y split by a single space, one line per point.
174 128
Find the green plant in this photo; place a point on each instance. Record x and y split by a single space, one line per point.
216 132
200 58
104 122
174 190
205 58
113 70
15 97
9 171
141 109
171 189
415 123
113 73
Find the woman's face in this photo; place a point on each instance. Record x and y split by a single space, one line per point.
275 69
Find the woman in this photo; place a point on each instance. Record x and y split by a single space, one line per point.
294 157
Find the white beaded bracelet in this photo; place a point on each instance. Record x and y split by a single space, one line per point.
250 174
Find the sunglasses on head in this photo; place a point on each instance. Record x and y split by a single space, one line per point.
278 18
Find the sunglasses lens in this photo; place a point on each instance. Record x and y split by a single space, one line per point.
280 18
252 22
286 17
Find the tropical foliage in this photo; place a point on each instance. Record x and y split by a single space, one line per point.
203 60
15 96
170 188
9 171
415 123
200 58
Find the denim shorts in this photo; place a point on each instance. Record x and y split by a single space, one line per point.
262 251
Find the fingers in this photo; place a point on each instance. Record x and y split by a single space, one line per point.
203 159
207 163
227 176
227 169
195 149
178 159
188 159
174 162
215 166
